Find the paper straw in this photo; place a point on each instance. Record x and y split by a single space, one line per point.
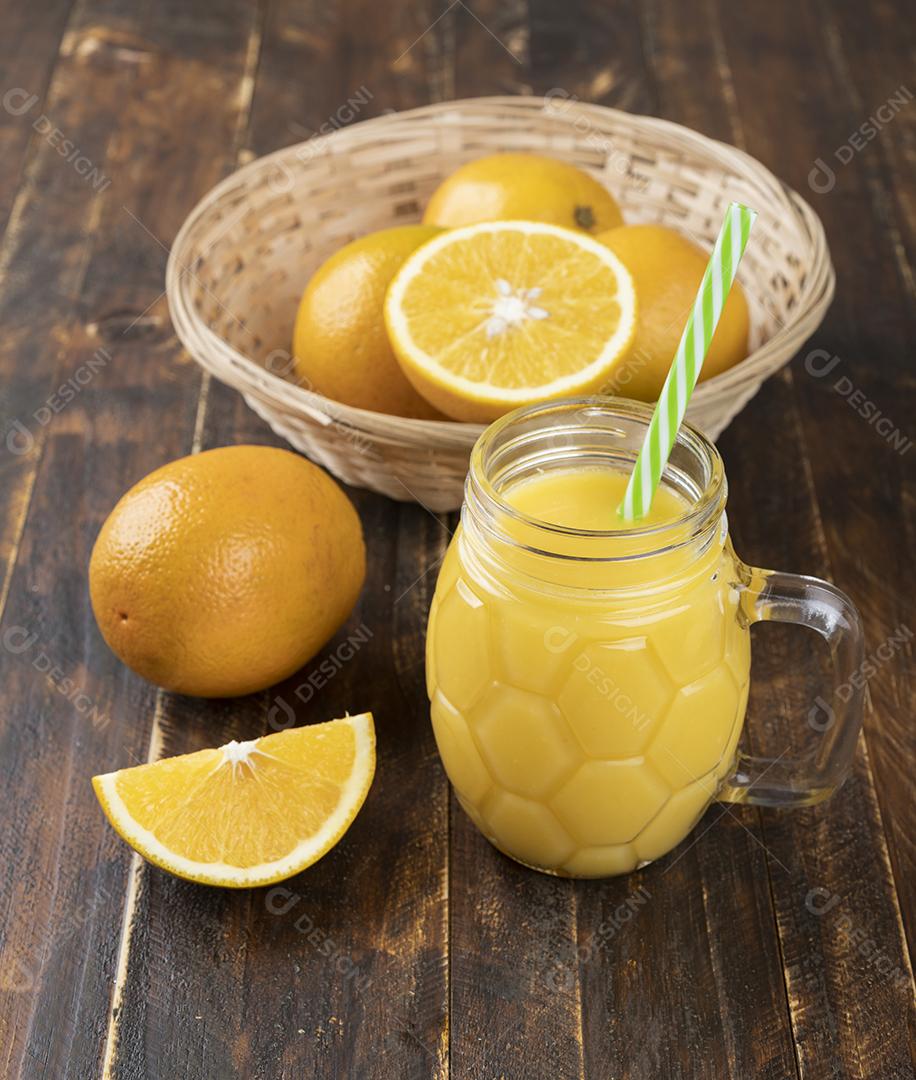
685 369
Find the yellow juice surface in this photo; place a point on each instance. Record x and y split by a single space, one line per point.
588 499
587 711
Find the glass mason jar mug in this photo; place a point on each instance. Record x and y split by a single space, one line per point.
588 688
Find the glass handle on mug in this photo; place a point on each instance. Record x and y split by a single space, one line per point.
769 596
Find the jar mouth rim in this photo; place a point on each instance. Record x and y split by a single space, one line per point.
698 515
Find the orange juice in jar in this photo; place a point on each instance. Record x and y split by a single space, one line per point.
588 678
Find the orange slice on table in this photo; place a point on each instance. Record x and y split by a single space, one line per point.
492 316
247 813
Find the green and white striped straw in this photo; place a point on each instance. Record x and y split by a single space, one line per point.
685 369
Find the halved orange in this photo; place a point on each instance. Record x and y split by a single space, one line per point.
500 314
247 813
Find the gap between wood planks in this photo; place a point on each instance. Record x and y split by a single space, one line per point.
730 103
35 456
881 206
879 200
135 881
139 868
884 209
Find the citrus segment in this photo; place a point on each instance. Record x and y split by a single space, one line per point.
247 813
493 316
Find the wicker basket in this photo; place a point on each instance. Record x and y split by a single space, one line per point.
244 255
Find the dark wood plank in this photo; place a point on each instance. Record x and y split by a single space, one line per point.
590 51
348 959
688 1012
871 541
515 995
53 238
329 65
378 902
28 52
515 1004
80 271
767 945
848 1019
297 87
870 56
664 977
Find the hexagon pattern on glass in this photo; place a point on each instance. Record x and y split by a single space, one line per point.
583 760
462 674
507 719
678 757
609 723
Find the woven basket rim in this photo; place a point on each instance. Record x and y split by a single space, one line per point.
249 377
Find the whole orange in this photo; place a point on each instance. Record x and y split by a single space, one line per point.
529 187
667 270
222 573
340 345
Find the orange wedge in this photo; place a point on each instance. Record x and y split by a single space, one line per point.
488 317
248 813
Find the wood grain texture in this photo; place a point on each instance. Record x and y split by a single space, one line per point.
875 345
80 269
867 975
848 1017
604 973
768 945
349 961
28 52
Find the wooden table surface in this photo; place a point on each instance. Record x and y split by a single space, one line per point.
769 944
